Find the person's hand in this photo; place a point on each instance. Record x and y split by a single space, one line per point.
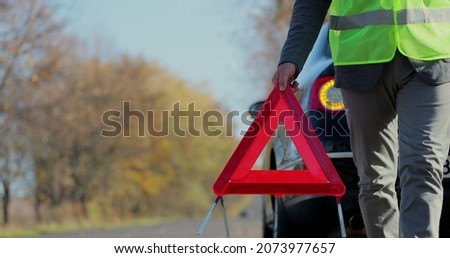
284 76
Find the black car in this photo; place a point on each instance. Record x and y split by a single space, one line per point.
317 216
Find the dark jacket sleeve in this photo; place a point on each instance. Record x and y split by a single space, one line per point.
306 21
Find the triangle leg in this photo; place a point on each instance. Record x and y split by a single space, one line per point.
276 218
208 216
341 217
225 217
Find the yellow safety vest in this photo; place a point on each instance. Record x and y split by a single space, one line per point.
370 31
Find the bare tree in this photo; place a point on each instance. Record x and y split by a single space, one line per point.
27 30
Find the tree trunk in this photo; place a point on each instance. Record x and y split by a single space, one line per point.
6 199
37 205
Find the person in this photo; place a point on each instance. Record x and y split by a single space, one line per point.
392 64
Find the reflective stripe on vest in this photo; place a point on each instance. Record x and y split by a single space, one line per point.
357 21
370 32
385 17
415 16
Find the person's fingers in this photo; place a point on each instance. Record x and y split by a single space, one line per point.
283 80
280 79
295 85
284 76
275 78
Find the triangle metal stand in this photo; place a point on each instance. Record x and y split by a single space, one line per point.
209 214
277 206
341 217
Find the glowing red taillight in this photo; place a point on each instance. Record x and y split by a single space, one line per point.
324 96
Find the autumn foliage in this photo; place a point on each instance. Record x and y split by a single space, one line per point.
52 98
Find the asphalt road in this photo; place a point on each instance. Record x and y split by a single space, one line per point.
246 226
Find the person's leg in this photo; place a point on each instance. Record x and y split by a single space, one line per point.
424 132
372 120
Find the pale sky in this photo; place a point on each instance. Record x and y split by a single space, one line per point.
195 39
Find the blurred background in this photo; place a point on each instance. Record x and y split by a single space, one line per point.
65 64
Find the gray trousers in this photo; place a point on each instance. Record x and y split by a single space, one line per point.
400 127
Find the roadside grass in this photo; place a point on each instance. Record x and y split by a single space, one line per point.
235 206
53 228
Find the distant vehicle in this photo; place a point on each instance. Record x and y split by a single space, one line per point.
316 216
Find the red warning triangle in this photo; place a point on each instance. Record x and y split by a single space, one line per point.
320 177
